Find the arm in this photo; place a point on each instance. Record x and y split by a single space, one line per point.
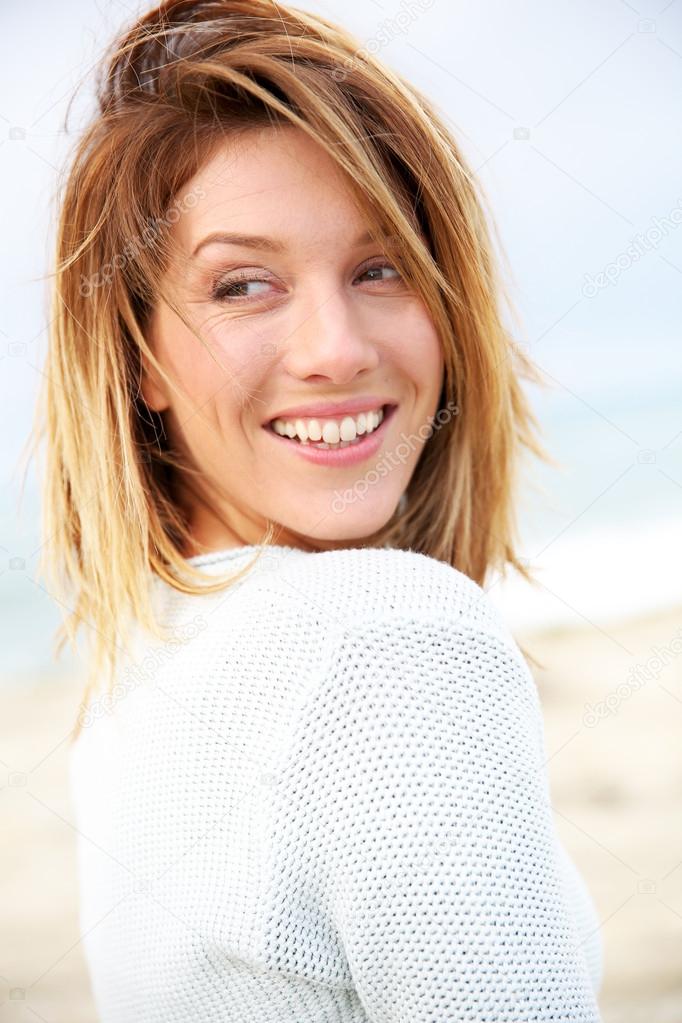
421 792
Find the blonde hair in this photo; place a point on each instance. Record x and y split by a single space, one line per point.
187 76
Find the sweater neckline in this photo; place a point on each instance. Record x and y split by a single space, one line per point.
228 553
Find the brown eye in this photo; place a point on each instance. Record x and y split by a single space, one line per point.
232 289
377 268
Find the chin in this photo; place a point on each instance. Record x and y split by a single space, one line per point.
345 520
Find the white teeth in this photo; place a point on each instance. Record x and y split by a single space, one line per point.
301 430
314 430
331 433
348 431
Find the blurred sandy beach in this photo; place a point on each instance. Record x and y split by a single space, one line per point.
612 700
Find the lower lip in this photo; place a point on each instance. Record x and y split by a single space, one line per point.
367 446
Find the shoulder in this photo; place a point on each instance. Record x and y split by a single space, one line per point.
343 589
370 585
402 627
321 615
418 639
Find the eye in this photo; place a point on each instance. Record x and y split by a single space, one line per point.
376 268
232 289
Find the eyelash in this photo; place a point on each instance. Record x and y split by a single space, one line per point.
223 285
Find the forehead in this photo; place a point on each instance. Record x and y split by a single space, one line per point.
276 182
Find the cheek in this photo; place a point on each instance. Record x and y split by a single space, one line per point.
210 369
431 348
418 348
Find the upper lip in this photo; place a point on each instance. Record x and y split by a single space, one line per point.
350 407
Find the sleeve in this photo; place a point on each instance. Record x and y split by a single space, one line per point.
424 804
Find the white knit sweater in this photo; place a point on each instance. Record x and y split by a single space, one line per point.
327 802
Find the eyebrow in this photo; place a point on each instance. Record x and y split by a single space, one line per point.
255 241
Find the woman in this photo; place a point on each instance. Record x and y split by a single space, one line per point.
310 783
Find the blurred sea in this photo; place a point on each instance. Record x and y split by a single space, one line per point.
603 531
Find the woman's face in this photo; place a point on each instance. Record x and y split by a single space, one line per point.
314 331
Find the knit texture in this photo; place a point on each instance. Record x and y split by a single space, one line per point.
327 802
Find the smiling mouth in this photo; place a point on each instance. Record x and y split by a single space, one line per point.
331 433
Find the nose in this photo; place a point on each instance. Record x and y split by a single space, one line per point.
330 339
